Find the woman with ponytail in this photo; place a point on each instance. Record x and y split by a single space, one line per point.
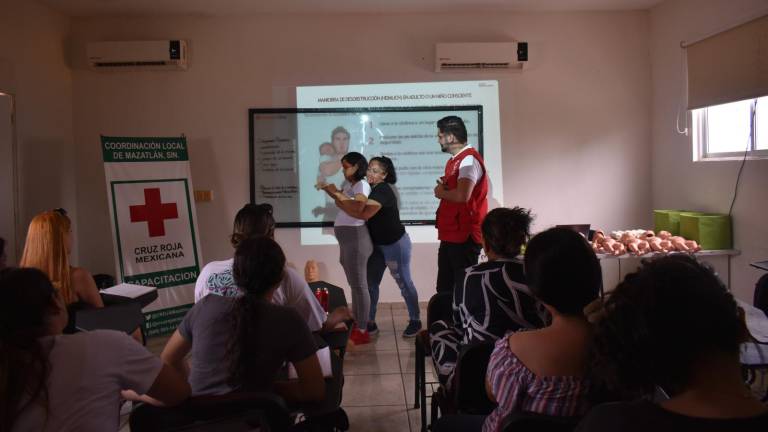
256 220
240 343
55 382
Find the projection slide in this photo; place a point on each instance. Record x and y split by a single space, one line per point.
424 94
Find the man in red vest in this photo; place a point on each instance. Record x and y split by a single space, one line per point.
462 192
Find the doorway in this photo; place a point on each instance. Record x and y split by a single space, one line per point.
8 178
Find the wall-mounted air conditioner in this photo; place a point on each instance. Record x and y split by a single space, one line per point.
478 56
151 55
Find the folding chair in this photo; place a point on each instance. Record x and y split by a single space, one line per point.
440 307
232 412
520 421
467 394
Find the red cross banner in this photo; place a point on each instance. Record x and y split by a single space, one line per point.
154 226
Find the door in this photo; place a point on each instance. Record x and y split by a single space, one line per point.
8 198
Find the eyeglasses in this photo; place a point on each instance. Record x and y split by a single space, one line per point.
60 211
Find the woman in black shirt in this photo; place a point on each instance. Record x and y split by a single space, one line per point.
392 246
494 298
672 325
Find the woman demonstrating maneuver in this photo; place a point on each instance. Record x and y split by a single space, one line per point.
494 298
354 241
49 240
673 325
392 245
55 382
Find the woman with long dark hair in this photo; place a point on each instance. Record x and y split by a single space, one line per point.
55 382
673 326
392 245
240 343
257 220
354 241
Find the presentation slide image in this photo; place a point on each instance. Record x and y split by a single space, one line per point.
408 137
483 93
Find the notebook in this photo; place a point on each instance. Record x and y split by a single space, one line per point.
128 290
324 356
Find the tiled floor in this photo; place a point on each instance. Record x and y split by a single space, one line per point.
379 377
379 380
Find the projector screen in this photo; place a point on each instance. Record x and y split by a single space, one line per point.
291 150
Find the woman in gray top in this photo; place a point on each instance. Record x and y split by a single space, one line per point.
240 343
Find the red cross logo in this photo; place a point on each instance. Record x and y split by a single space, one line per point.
154 212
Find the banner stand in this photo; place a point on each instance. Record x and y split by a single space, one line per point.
154 224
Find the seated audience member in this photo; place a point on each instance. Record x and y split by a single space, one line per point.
673 325
48 245
240 343
256 220
55 382
494 298
544 371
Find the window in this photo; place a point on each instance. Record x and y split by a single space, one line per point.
728 131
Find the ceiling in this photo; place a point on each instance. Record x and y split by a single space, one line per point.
94 8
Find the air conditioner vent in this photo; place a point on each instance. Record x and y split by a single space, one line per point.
129 64
480 56
474 65
147 55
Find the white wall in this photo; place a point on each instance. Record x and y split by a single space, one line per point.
678 182
575 125
33 67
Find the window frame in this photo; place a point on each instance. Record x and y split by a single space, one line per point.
699 137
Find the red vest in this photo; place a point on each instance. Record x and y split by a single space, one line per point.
458 221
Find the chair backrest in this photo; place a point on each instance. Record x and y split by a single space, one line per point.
440 307
72 310
519 421
469 392
760 299
124 317
232 412
103 280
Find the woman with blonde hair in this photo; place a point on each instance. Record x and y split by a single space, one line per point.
48 247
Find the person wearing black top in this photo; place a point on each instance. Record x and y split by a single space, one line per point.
672 325
494 298
392 245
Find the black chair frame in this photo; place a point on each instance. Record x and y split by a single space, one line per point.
521 421
440 307
265 410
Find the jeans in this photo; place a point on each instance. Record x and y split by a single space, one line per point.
396 257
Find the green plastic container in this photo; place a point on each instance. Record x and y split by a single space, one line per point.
711 230
667 220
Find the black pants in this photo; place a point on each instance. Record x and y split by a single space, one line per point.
452 259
